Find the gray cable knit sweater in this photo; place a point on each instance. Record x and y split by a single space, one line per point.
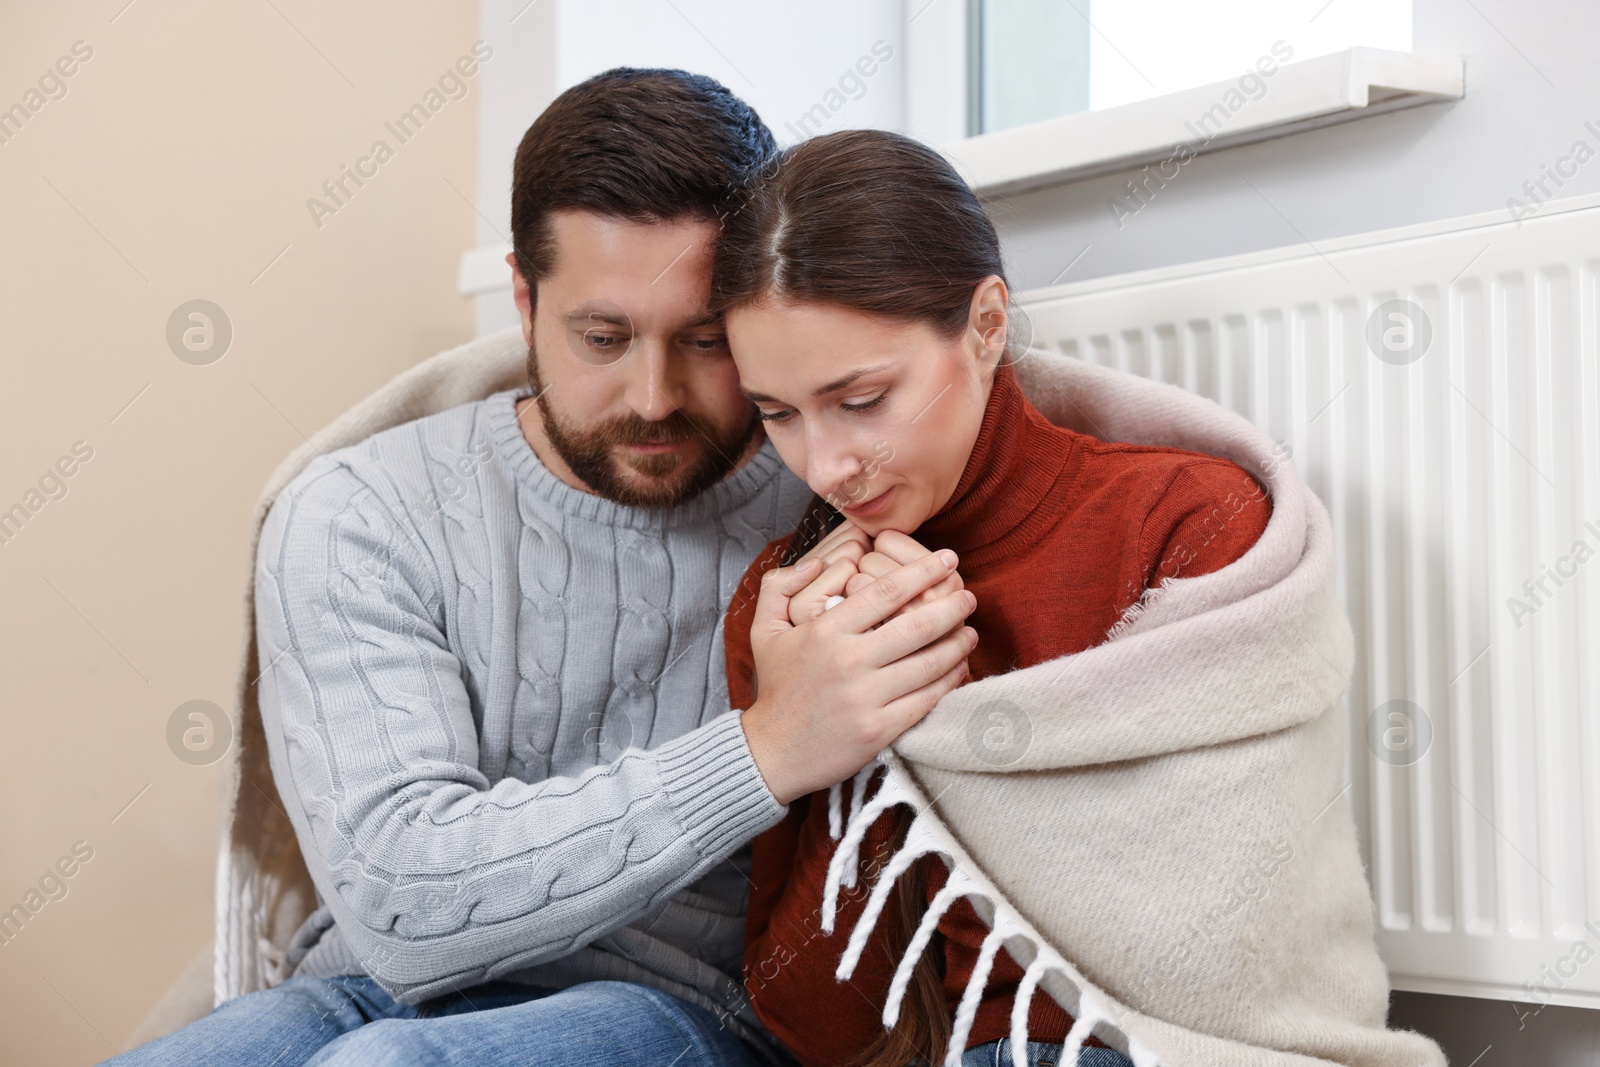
497 714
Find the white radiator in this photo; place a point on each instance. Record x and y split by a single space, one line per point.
1453 478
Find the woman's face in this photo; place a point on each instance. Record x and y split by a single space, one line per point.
877 415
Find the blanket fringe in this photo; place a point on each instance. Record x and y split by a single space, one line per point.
927 836
858 786
967 1011
848 855
953 890
1020 1003
897 866
1088 1014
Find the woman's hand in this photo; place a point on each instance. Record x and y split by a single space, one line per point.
891 550
840 553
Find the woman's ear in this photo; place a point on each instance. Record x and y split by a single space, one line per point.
989 322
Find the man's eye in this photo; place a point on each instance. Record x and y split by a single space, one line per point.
604 342
708 344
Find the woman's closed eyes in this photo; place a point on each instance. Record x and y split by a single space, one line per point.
858 408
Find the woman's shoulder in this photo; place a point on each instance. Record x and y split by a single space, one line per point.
1122 460
1208 515
1194 512
1145 469
1153 475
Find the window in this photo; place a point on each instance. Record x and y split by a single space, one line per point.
1032 60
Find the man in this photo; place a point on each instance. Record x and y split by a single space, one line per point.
495 704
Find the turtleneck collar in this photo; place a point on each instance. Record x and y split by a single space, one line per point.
1016 463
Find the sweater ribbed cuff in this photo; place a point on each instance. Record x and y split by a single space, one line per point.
712 782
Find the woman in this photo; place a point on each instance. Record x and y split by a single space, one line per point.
866 308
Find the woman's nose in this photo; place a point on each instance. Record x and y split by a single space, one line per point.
834 472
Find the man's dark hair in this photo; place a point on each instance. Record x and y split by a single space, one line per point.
645 145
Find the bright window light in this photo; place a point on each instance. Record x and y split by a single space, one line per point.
1040 59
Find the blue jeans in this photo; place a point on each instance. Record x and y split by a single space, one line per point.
350 1020
1041 1054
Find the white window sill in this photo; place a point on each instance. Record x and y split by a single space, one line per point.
1299 96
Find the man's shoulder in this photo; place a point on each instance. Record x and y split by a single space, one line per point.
400 465
451 430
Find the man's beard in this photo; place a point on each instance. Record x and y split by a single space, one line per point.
663 480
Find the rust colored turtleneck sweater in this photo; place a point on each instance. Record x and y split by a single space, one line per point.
1058 533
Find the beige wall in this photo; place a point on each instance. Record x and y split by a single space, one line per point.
177 166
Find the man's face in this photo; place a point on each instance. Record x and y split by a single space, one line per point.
637 395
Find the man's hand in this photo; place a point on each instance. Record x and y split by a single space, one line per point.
838 688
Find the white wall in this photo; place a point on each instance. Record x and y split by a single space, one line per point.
794 61
783 58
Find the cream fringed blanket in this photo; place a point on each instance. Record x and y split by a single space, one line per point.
1155 827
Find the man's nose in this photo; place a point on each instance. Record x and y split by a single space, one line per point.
654 388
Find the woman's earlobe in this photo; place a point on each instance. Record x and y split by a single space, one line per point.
989 323
992 345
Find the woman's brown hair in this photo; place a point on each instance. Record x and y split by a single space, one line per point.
880 223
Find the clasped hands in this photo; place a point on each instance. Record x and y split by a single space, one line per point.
851 560
835 687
